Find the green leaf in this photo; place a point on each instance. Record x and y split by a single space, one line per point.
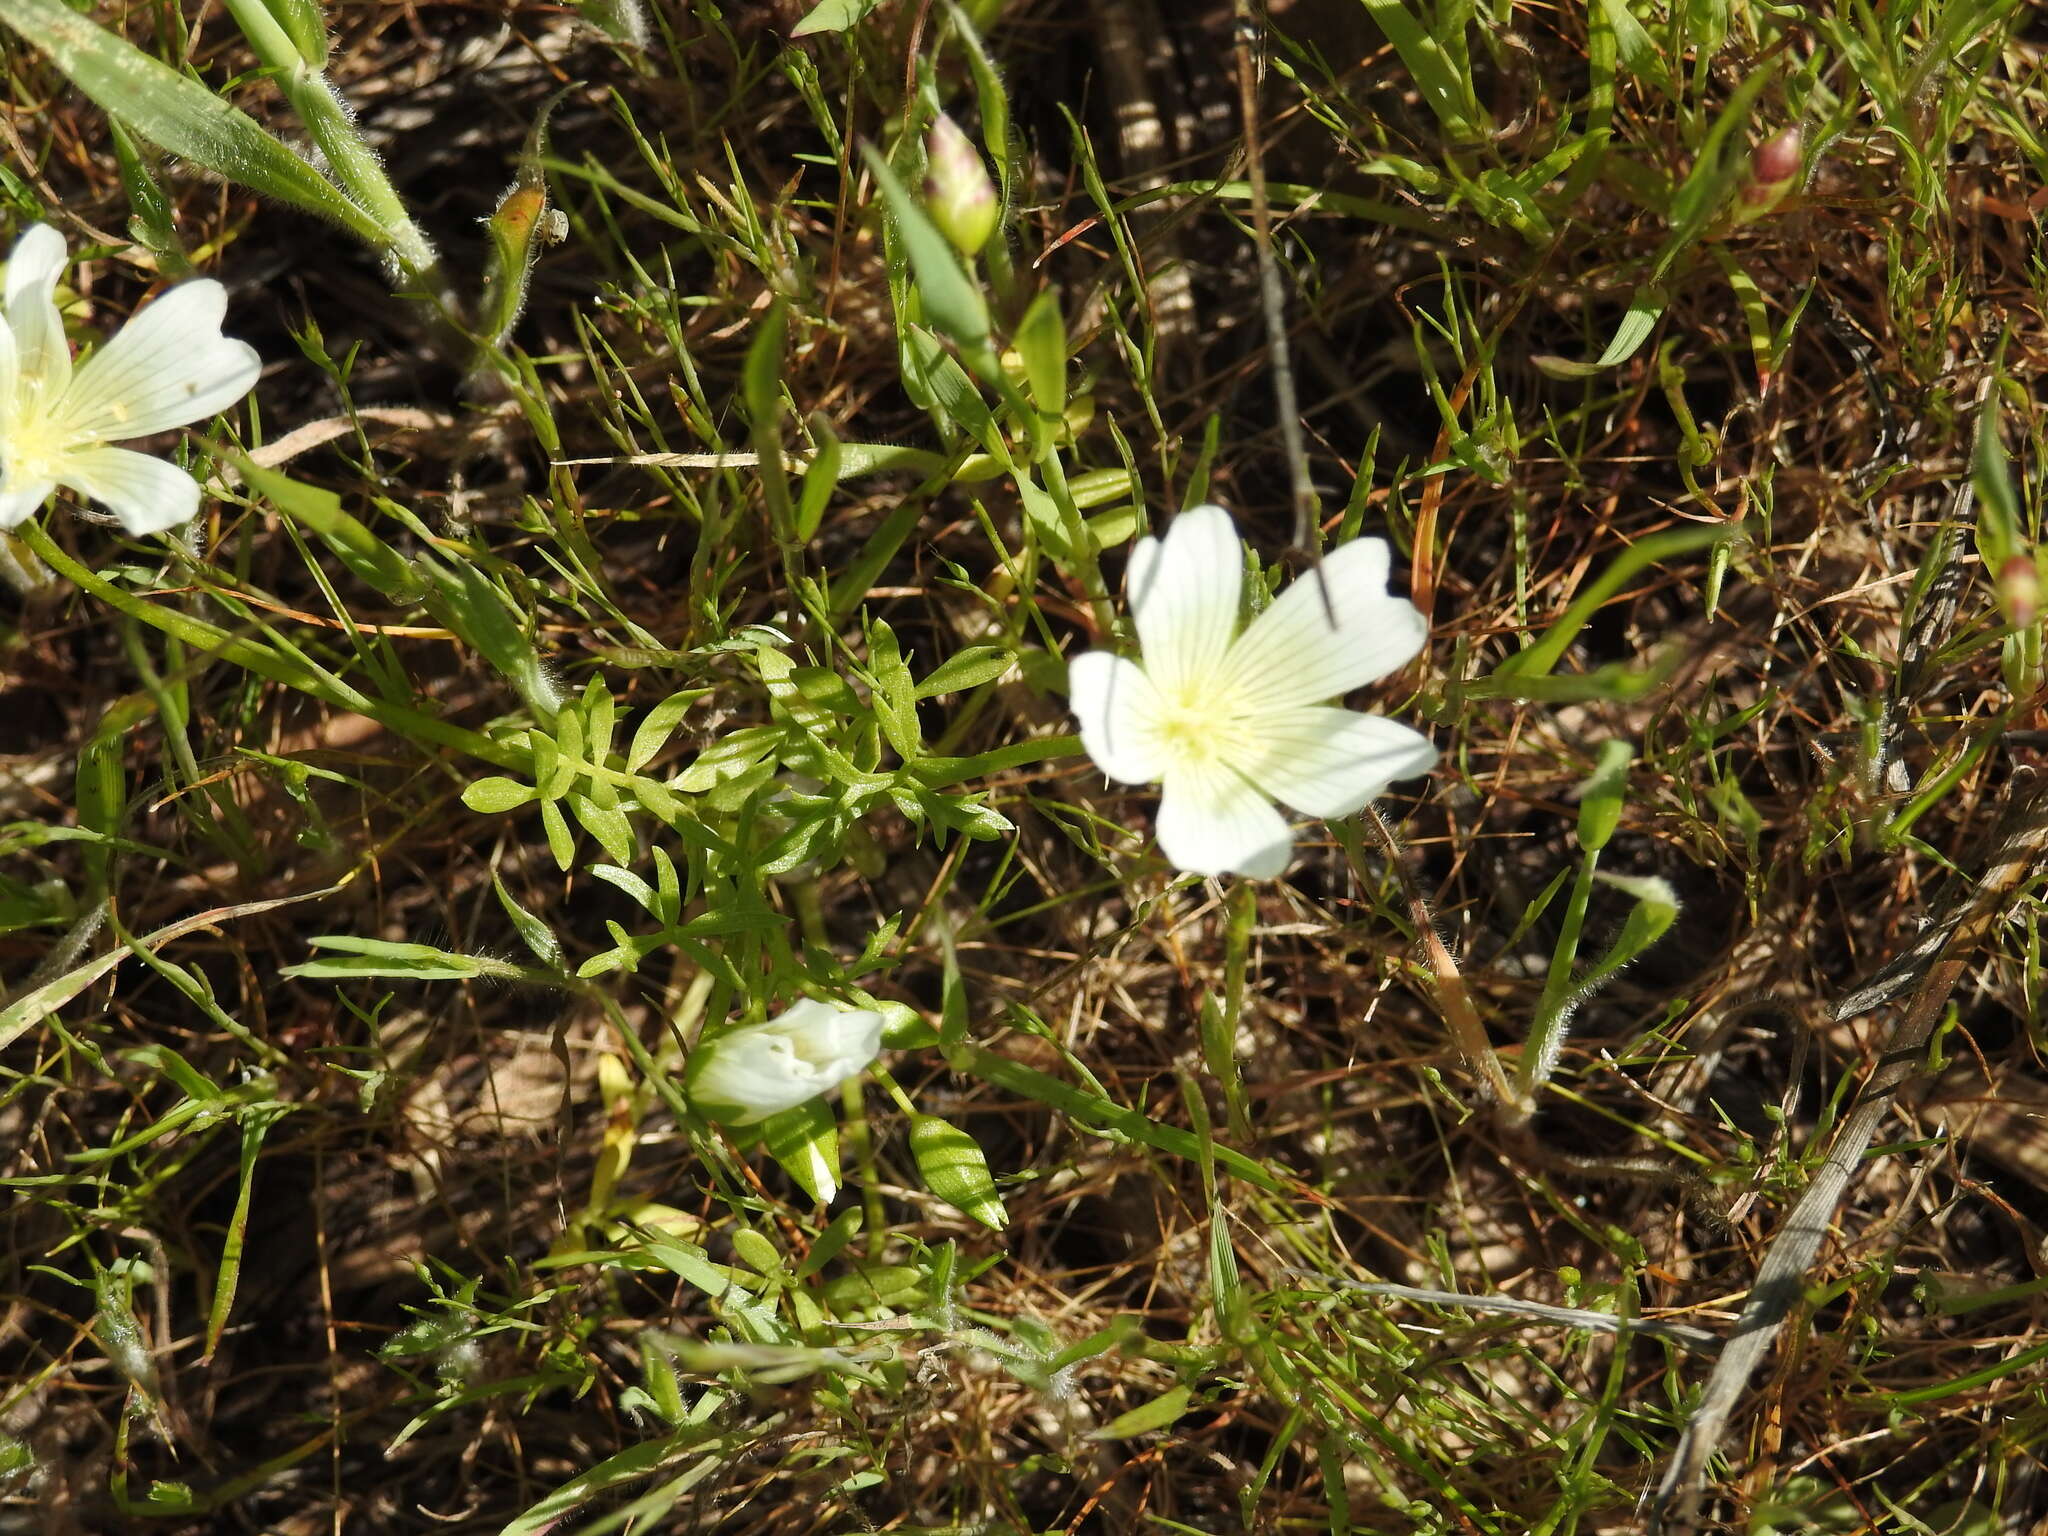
873 1286
949 389
805 1141
730 757
496 795
757 1253
227 1274
761 377
657 725
468 602
1041 341
600 714
1655 910
895 693
1604 793
1633 45
179 114
607 823
1165 1409
1643 312
831 1242
820 479
1998 508
954 1168
561 842
353 956
1090 1109
965 669
152 224
1645 307
567 766
100 783
656 799
1536 659
1432 56
536 935
304 24
832 16
375 561
1713 176
990 96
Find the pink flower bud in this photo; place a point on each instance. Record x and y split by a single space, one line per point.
2019 590
958 194
1773 171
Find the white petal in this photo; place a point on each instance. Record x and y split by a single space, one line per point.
823 1184
169 365
20 499
1116 705
836 1042
748 1074
1212 822
10 373
36 261
741 1078
1292 654
1330 762
43 355
146 493
1184 596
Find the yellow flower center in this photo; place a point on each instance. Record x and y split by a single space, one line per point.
1199 724
30 450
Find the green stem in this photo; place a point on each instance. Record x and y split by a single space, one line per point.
945 772
291 671
351 162
1546 1033
1104 1117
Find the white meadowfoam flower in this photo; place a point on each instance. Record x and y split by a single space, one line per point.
166 367
1226 723
758 1070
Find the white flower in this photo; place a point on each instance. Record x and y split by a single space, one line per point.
758 1070
1227 723
167 366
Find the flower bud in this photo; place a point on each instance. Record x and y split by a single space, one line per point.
1773 171
958 194
2019 590
758 1070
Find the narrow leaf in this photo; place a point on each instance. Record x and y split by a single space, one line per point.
179 114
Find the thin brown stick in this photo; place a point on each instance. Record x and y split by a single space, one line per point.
1273 300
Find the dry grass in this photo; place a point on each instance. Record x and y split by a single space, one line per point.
410 1139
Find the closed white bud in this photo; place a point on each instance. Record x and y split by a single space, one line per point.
758 1070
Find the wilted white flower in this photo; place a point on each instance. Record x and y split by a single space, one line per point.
167 366
1227 723
758 1070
